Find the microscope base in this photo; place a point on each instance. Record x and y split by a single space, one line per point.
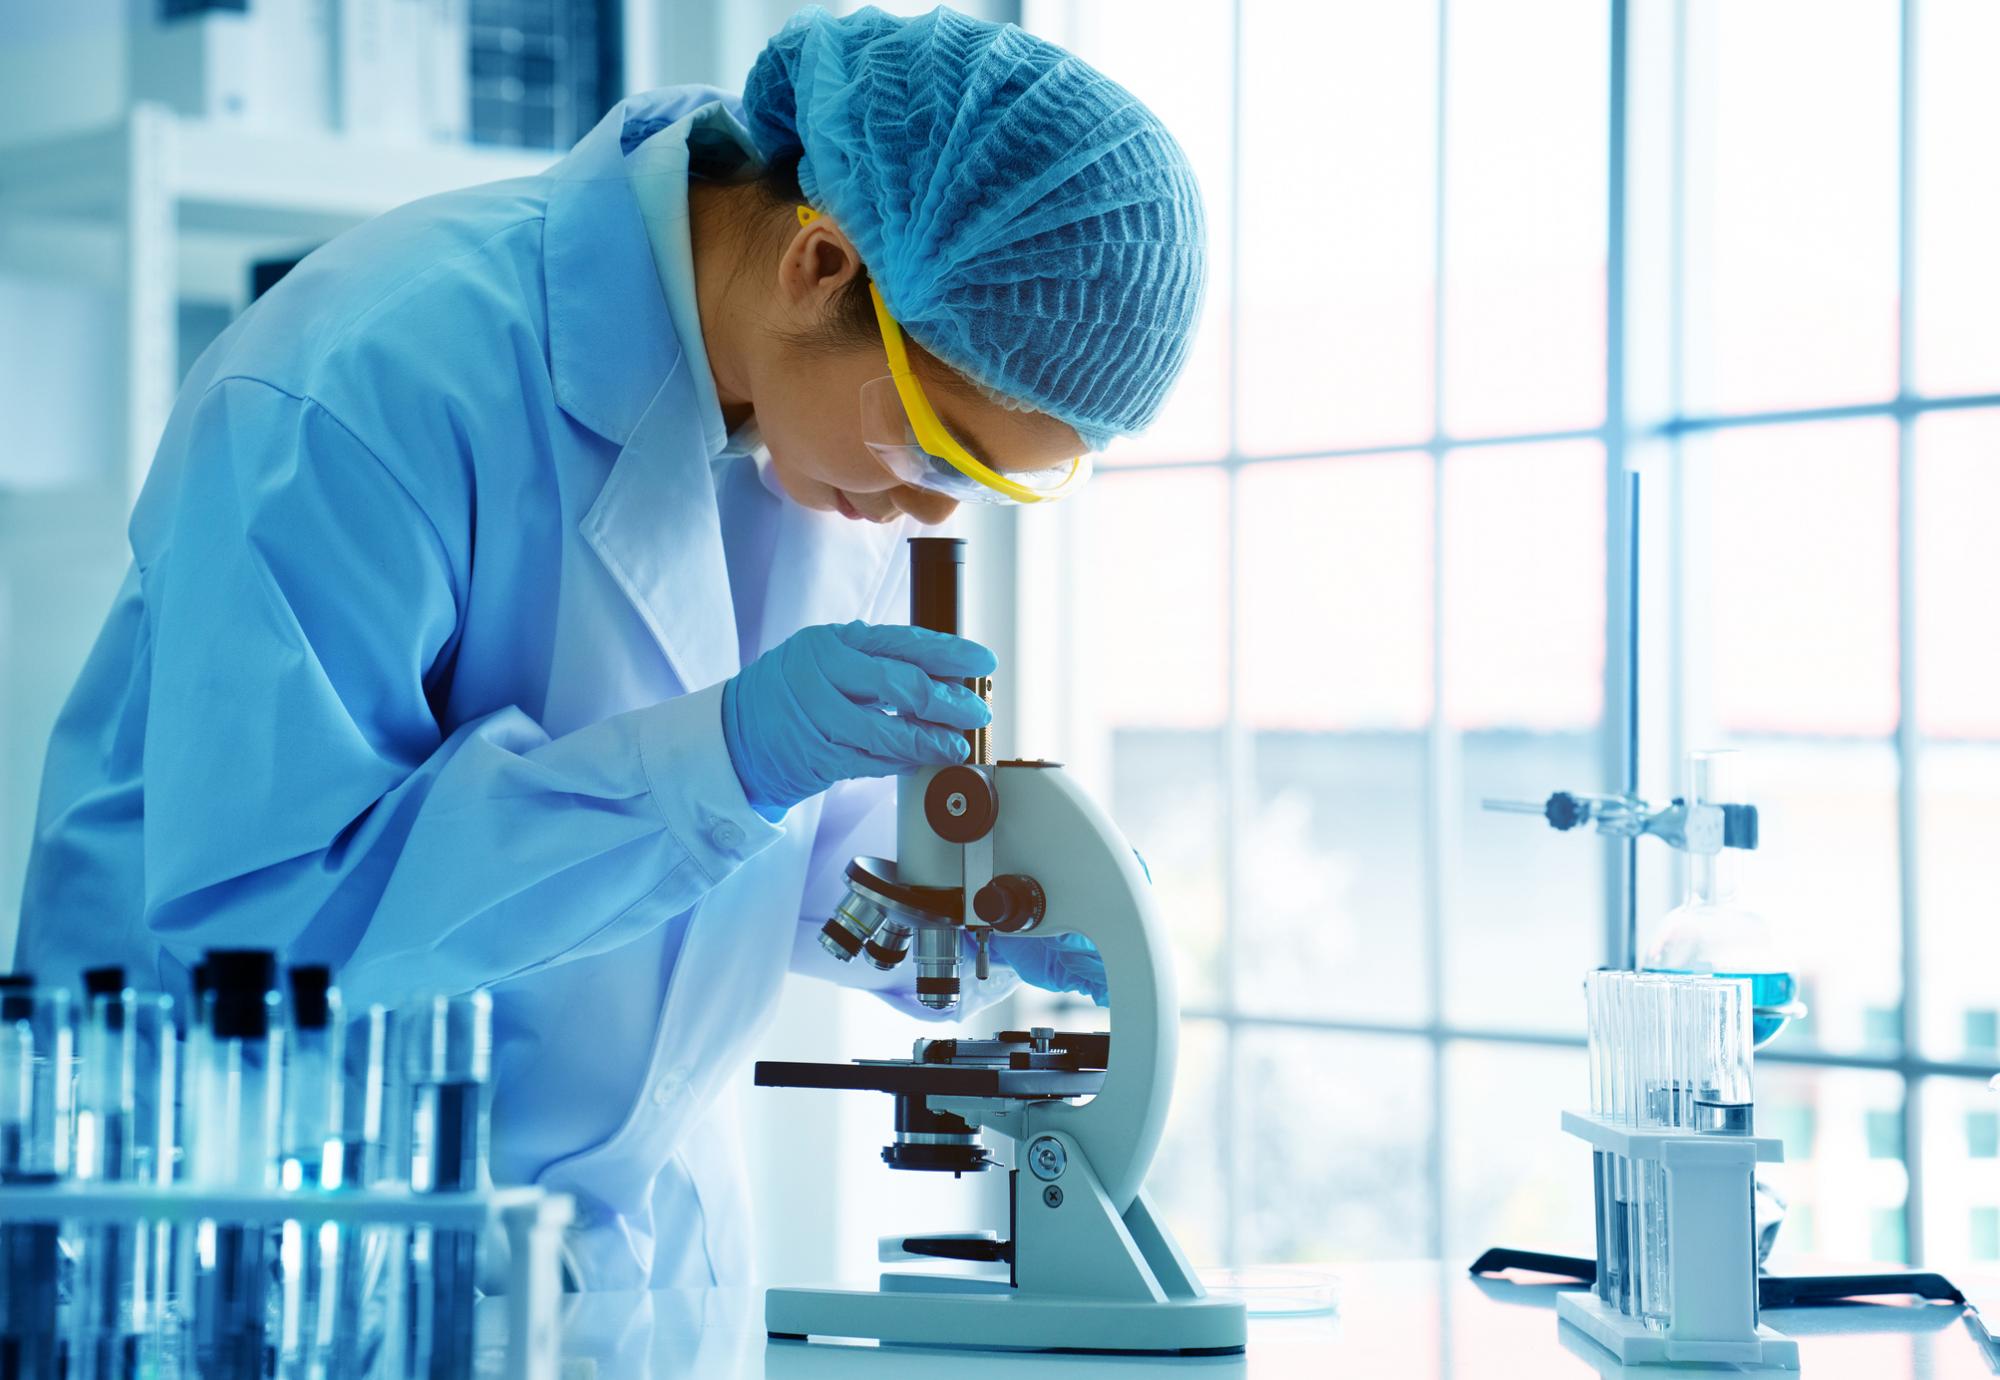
966 1311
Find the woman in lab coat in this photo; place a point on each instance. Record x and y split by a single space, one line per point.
496 600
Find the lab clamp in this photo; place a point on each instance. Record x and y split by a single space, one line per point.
1087 1264
1709 932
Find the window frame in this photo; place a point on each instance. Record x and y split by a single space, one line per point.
1645 422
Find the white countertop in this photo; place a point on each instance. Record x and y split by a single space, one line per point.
1410 1321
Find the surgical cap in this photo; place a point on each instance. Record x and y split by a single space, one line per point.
1026 219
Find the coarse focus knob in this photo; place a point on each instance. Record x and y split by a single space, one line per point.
1011 903
960 806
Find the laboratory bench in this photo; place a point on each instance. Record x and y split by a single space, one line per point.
1406 1320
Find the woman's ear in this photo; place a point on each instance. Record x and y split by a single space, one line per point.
817 264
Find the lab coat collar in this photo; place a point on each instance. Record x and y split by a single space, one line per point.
611 339
659 168
656 528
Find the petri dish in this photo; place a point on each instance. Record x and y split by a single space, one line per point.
1273 1291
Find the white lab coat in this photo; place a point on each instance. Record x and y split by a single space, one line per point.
417 673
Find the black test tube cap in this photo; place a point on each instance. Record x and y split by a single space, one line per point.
242 979
310 982
108 981
16 996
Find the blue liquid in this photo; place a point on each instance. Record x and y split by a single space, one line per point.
1766 989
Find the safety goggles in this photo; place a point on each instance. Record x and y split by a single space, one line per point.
903 430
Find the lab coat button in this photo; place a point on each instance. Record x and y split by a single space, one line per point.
726 836
670 1083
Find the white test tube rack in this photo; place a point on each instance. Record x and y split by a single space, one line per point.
531 1220
1713 1272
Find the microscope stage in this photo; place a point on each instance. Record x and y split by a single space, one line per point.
933 1080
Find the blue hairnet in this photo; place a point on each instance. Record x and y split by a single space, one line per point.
1027 220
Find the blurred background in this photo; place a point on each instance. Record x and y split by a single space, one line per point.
1474 261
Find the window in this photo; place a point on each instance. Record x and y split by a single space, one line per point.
1357 579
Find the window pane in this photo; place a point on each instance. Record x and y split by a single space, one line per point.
1526 918
1151 590
1524 680
1514 1178
1791 199
1958 565
1795 575
1825 873
1339 204
1342 1173
1524 586
1525 169
1961 1177
1145 689
1956 349
1181 72
1336 568
1335 558
1333 917
1959 806
1845 1201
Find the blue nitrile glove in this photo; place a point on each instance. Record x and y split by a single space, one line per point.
1059 963
815 709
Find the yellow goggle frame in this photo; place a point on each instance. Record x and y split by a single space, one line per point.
930 430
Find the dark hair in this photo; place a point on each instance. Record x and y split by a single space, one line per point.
850 322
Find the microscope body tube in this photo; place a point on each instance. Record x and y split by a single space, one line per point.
937 602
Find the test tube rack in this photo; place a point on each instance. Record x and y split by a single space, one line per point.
1710 1185
531 1220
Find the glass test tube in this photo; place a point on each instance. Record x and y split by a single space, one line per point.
367 1294
237 1093
1610 1265
1654 1010
36 1045
448 1042
310 1160
127 1050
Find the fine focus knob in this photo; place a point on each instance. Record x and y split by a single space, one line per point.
1011 903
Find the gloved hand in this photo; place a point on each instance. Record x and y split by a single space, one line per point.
1058 963
814 709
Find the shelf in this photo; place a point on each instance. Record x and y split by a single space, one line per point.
223 177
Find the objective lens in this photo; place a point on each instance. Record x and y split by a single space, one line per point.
937 966
853 921
889 945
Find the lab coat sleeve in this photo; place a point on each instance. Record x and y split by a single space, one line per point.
299 791
859 818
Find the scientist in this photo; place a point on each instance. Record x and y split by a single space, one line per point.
515 593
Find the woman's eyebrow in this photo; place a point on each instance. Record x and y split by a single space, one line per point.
965 435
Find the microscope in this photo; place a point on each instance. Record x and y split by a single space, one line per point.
1086 1264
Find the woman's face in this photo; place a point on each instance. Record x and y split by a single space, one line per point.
808 403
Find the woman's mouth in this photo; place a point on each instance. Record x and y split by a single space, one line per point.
846 509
